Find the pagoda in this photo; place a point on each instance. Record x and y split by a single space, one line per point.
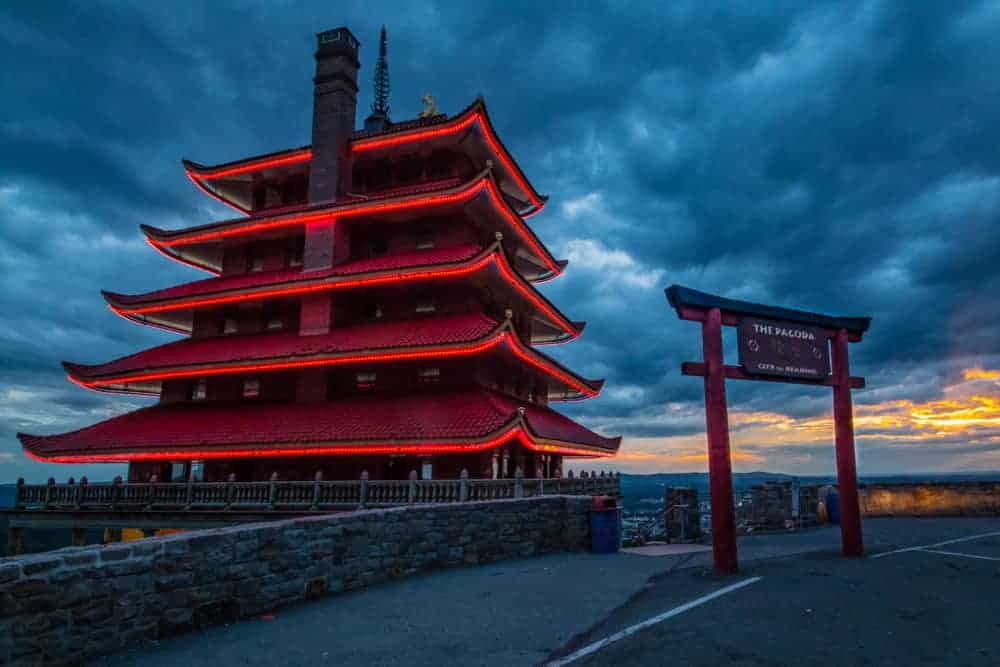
373 308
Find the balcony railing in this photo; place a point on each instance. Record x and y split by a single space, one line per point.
314 496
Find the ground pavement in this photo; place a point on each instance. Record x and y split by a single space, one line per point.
794 600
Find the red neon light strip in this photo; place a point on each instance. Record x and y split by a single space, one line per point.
491 139
517 432
515 345
312 363
371 208
287 291
502 265
521 353
346 211
256 165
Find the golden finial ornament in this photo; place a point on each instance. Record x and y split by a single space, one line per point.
430 109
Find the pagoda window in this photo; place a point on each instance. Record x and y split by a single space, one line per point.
199 392
272 195
372 310
230 324
296 250
365 381
255 258
251 388
426 470
409 169
439 165
379 246
177 469
425 241
197 471
428 376
379 175
295 190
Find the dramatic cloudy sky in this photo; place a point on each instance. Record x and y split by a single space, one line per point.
842 158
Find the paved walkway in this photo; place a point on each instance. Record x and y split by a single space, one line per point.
529 611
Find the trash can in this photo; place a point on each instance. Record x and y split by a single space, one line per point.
833 507
605 525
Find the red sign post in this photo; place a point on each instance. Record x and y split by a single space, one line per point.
776 345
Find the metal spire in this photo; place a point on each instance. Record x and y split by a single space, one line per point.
380 105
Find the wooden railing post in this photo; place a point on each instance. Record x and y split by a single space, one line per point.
80 490
519 483
230 489
49 489
273 495
413 486
189 491
316 488
116 491
19 499
541 481
363 494
463 486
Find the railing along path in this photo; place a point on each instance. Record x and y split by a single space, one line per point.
317 495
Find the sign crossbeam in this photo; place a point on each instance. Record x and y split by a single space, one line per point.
776 345
697 369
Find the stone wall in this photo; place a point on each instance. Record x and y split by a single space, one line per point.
774 505
931 499
682 524
66 605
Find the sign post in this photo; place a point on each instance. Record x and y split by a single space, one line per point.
775 345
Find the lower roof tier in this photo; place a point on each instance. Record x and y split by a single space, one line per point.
425 424
173 308
463 335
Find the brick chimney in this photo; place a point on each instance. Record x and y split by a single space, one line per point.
334 108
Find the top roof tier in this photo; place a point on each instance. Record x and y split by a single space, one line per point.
471 130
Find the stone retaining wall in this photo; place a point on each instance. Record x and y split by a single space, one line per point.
66 605
931 499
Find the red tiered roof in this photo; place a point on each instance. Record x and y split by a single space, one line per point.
241 283
426 338
422 265
239 172
420 424
173 242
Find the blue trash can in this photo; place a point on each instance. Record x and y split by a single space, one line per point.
833 507
605 525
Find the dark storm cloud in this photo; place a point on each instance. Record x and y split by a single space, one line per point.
838 157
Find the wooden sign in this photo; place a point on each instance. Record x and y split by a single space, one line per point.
785 349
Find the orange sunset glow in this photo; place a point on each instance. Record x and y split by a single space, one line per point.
968 413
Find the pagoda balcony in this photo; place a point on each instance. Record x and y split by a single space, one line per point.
488 269
439 338
477 201
470 133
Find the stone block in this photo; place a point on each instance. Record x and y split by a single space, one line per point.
10 572
115 553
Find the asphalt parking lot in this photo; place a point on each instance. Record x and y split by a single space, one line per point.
926 602
809 606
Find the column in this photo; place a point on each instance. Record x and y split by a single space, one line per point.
847 472
720 470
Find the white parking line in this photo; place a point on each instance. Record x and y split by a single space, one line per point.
955 553
968 538
659 618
